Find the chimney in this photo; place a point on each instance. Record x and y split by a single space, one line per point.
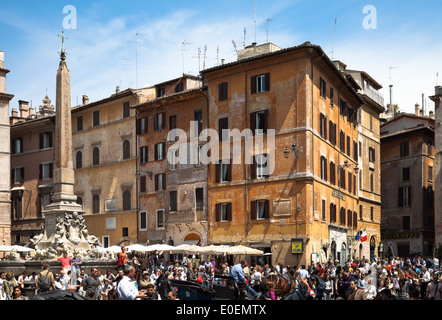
31 111
117 89
222 62
417 109
431 114
14 113
2 59
23 107
85 99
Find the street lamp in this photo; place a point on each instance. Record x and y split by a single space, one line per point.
347 165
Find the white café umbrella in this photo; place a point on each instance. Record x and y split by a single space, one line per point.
136 247
21 248
114 249
4 248
158 247
187 248
215 249
245 250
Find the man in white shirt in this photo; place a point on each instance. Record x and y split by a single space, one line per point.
126 289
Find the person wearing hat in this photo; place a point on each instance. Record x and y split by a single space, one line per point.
144 281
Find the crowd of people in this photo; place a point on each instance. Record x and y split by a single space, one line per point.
140 276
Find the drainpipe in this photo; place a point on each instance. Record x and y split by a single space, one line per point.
207 171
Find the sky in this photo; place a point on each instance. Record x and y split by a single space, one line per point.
135 43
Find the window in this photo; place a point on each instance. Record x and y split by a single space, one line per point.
172 158
79 160
223 126
127 206
430 173
17 207
323 210
159 151
198 162
79 123
342 178
342 141
96 118
406 223
331 96
161 92
355 220
225 172
342 217
141 125
371 213
406 174
348 146
259 122
46 171
179 87
125 232
323 168
160 181
142 183
223 91
332 173
159 121
143 220
349 218
18 175
371 182
332 213
160 219
96 156
350 180
404 149
323 125
405 196
198 118
332 132
342 107
45 200
45 140
371 154
260 83
223 212
199 198
172 123
360 212
126 109
430 197
17 145
173 201
96 203
79 201
355 151
105 240
143 154
261 210
126 149
259 167
323 88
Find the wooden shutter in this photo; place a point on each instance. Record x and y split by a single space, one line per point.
217 172
41 140
401 197
253 210
22 174
156 182
164 181
253 84
253 168
267 209
218 212
267 81
229 211
51 170
253 122
156 151
229 172
266 120
143 184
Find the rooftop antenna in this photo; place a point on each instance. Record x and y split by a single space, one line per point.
391 86
245 38
183 44
267 29
255 21
437 78
136 57
333 43
234 46
198 56
204 57
217 55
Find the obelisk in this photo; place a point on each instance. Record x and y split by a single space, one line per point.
63 202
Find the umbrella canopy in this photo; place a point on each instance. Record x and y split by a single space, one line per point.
4 248
215 250
114 249
136 247
21 248
245 250
158 247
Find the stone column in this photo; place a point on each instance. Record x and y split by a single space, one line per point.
437 98
5 158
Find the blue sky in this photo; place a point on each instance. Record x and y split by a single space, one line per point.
102 49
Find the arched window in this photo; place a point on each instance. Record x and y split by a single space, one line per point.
126 149
79 160
96 203
96 156
127 200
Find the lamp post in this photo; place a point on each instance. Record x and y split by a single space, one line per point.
293 149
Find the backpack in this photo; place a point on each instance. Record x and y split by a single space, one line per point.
43 282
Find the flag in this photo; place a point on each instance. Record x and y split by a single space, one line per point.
364 235
358 234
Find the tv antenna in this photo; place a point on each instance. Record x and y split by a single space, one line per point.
136 57
333 43
267 29
183 45
255 21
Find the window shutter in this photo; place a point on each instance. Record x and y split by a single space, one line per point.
217 172
164 181
253 168
253 122
156 152
229 211
267 173
229 172
156 182
143 184
267 209
267 80
41 140
253 210
51 170
409 195
155 122
13 150
138 126
401 197
51 144
217 212
40 175
22 174
253 84
266 120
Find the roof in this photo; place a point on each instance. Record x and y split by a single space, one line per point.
185 75
118 95
404 131
160 100
305 45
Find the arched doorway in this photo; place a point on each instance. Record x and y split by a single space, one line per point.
333 251
372 246
343 253
192 238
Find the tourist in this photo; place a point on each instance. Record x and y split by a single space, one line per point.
58 282
45 281
91 284
150 292
22 278
65 261
172 295
33 278
144 281
126 289
76 265
18 295
122 259
357 291
104 290
2 288
434 288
